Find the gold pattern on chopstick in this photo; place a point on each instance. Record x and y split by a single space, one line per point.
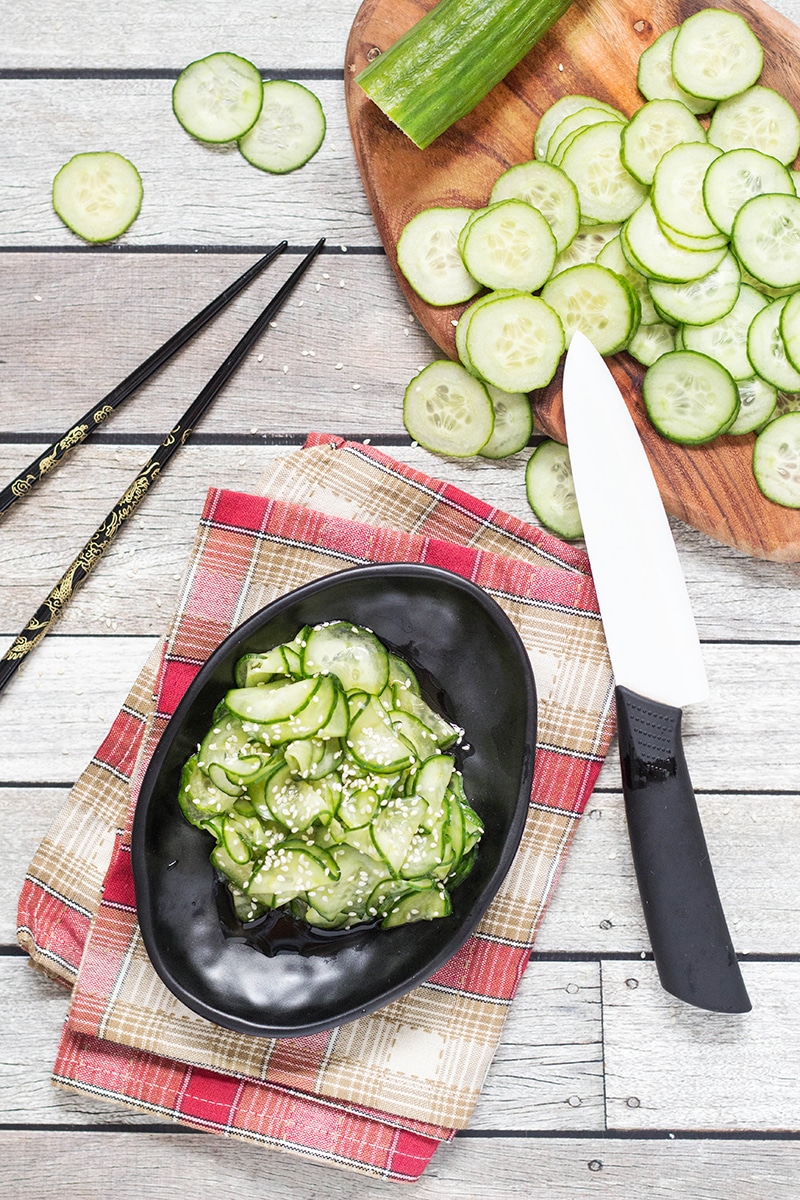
20 486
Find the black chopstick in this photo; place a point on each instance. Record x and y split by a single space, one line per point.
102 410
101 539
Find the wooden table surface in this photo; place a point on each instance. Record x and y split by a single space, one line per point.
603 1085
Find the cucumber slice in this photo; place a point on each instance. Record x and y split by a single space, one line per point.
447 411
463 322
612 257
587 245
606 190
650 342
776 460
790 329
551 491
656 256
655 79
373 744
716 55
98 195
757 402
677 195
766 349
218 98
428 905
760 119
596 301
658 126
289 131
700 301
515 343
726 340
576 121
556 113
766 239
546 188
735 177
509 245
689 398
354 655
427 254
513 423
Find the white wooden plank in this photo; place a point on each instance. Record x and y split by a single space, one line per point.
193 193
173 1166
75 325
733 596
671 1066
71 33
78 681
546 1075
595 908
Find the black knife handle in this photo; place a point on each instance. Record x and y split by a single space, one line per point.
691 944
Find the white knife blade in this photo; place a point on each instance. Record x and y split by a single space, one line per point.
647 617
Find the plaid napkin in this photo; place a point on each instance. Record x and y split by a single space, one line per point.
378 1094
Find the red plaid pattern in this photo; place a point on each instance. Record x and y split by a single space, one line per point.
329 1097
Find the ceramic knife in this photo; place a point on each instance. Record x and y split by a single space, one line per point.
658 669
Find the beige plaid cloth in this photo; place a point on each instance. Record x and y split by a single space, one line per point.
418 1063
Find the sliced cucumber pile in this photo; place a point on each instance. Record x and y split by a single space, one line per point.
277 124
325 784
673 236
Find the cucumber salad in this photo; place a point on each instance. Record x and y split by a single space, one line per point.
673 235
325 784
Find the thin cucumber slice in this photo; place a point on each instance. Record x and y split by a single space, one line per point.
353 654
766 239
735 177
776 460
98 195
766 349
686 242
606 190
218 98
757 402
515 343
551 490
510 245
447 411
716 55
726 340
689 398
677 194
655 128
596 301
513 423
650 342
659 258
462 325
655 79
760 119
587 246
546 188
289 131
790 329
612 257
427 254
700 301
571 124
555 114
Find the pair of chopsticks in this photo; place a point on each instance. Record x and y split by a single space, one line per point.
57 599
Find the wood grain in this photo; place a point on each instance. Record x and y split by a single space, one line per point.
592 50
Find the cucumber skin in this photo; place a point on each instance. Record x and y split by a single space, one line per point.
447 62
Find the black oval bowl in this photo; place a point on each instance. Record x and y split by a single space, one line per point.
278 978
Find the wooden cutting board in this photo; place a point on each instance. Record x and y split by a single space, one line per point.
594 50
